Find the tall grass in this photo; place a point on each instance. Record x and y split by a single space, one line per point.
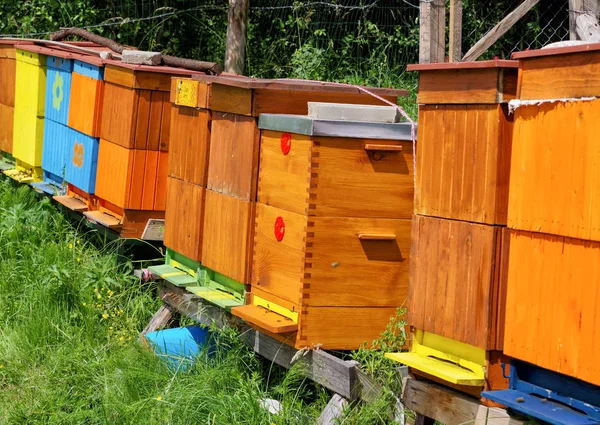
69 321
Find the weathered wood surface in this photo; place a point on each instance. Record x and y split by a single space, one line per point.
432 40
587 28
456 11
499 30
430 400
333 411
159 320
341 377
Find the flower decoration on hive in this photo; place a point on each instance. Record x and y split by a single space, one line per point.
57 91
78 155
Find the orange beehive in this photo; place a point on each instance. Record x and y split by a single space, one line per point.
135 120
7 95
459 250
553 281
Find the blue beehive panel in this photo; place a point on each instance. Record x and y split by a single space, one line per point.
58 89
89 70
82 161
56 147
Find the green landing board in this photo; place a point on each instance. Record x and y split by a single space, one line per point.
173 275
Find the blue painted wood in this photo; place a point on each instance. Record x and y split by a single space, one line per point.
82 162
180 346
58 88
89 70
55 149
549 396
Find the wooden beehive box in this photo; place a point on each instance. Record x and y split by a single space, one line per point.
131 176
216 119
30 99
7 95
332 240
465 134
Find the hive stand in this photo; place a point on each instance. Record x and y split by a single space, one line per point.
459 251
332 231
213 165
7 102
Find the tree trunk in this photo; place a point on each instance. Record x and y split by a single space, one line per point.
237 28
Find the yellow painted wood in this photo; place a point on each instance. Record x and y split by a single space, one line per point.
25 173
261 302
450 360
30 97
187 93
178 265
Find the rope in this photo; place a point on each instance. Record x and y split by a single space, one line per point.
413 125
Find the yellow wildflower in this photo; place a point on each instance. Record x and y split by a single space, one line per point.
159 398
95 289
105 316
1 366
78 260
121 338
84 304
99 296
70 246
110 328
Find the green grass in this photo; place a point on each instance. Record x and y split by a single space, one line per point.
69 323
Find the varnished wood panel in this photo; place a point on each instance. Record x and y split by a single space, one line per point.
278 265
112 174
134 118
553 77
463 162
184 218
85 110
467 86
137 79
356 262
342 328
228 236
555 173
266 101
552 303
189 144
7 77
283 179
455 280
233 164
224 98
6 128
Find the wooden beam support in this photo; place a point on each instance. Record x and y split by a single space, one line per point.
575 6
237 29
455 48
333 411
577 10
442 404
432 39
499 30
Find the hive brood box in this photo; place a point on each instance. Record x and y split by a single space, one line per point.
553 281
332 235
212 193
131 175
7 100
459 252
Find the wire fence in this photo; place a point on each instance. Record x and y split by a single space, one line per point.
352 40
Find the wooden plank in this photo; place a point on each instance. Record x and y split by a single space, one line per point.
112 182
575 8
165 126
119 76
119 112
154 231
467 86
456 9
450 407
160 195
6 128
231 99
160 319
142 121
237 27
432 39
155 120
499 30
149 180
333 411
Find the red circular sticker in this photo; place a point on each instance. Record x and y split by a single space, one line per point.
279 228
286 143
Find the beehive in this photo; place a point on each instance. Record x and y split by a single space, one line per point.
553 213
213 162
131 175
459 250
7 101
30 99
332 232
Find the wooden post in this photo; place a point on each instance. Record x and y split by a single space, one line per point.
499 30
578 8
237 28
455 48
432 40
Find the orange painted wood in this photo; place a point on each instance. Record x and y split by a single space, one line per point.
7 76
560 76
266 319
552 299
85 108
457 275
467 86
6 128
189 144
131 179
228 235
184 218
336 177
134 222
463 162
233 163
135 79
555 174
133 118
